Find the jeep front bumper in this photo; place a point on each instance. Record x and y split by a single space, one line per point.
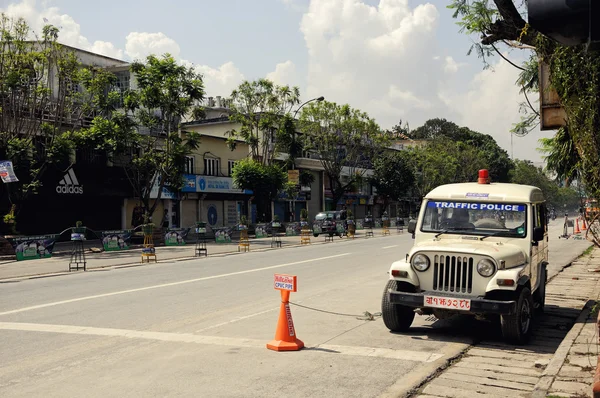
478 304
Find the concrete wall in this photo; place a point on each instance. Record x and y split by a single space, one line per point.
212 147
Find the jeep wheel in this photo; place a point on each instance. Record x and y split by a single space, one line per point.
516 328
316 235
396 318
540 293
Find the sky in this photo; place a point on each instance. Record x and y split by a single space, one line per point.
394 59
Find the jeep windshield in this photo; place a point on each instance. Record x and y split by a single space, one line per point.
475 218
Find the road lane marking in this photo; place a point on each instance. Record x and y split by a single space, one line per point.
241 318
373 352
55 303
389 247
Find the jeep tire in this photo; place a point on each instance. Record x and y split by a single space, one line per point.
396 318
516 328
539 297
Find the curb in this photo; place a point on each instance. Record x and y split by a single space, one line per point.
172 260
543 385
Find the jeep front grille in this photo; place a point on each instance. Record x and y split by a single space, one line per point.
452 274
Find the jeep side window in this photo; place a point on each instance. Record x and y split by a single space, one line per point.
539 216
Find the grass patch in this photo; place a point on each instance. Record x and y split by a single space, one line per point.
588 251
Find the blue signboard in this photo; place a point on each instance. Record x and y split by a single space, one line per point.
476 206
207 184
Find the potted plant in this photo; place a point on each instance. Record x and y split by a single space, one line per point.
201 227
350 222
304 218
385 220
78 231
276 223
243 223
147 226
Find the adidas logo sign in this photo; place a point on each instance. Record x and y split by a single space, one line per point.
69 184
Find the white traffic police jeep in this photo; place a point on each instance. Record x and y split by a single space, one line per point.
481 249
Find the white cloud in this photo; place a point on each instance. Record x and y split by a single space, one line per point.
491 106
218 81
222 80
450 65
376 58
284 74
141 44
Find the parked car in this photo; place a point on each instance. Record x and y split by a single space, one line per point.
328 222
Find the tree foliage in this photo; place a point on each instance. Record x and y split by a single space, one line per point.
140 127
344 139
393 176
261 108
265 181
574 73
482 146
39 104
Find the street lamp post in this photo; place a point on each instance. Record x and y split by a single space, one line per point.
319 99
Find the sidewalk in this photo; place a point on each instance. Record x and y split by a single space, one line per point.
560 360
59 264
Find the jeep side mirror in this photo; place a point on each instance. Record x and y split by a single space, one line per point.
412 226
538 234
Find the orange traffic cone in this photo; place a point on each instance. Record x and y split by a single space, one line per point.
583 224
285 335
577 230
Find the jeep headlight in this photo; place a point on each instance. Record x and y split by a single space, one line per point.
420 262
486 268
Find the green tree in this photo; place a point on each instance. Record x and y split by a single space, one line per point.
526 173
561 157
574 74
261 108
444 161
39 106
392 176
344 140
265 181
495 159
139 128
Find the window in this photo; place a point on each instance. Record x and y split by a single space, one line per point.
189 165
211 167
230 164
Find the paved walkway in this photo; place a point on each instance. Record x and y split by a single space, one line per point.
59 264
560 360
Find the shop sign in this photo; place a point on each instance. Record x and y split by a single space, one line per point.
206 184
166 191
116 240
33 247
69 184
294 176
6 172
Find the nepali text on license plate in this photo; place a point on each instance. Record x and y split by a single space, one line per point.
447 303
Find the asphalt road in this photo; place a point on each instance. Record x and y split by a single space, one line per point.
199 328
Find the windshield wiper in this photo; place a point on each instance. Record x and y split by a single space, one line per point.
444 231
511 234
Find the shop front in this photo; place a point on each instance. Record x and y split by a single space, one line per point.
214 200
76 194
